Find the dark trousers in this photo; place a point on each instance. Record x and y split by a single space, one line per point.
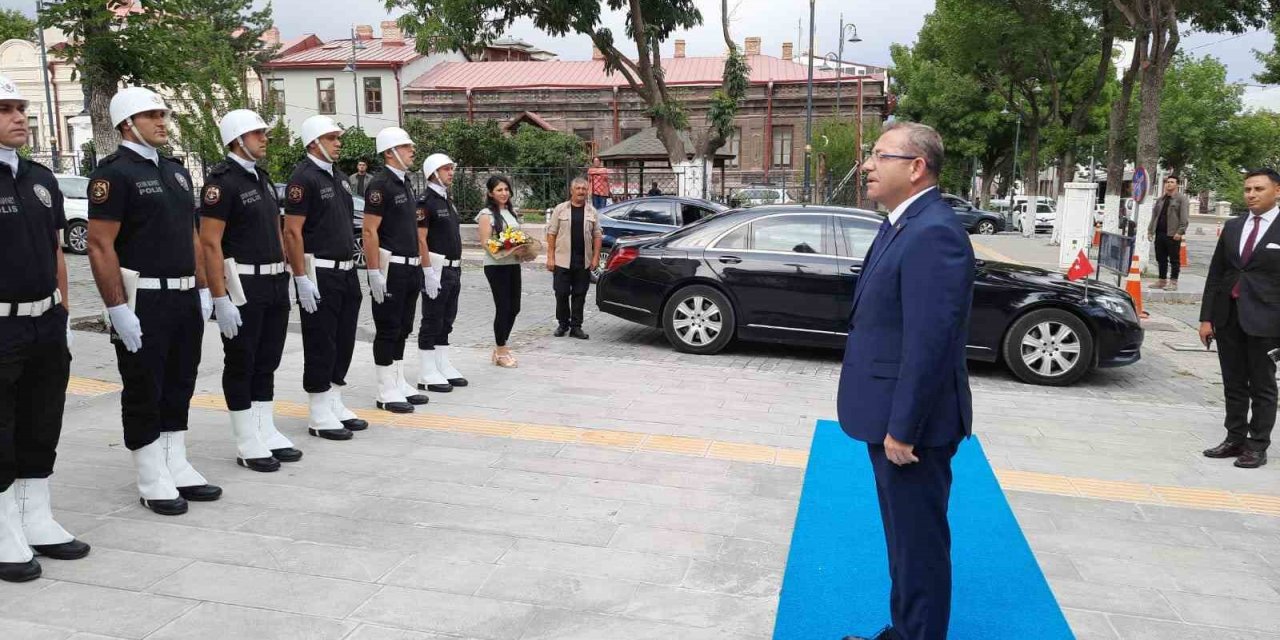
1168 256
250 359
439 313
913 507
1248 377
598 201
34 367
160 377
329 334
571 295
504 283
393 319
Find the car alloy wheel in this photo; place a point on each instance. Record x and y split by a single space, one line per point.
78 237
358 255
1049 347
986 228
698 319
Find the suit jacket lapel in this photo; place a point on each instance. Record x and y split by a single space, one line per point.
1269 236
1232 238
911 212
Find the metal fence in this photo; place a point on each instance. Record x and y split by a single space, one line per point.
80 164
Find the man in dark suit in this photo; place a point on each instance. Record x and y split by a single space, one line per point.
904 388
1241 308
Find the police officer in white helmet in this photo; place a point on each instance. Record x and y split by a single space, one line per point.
438 226
34 357
320 242
144 249
244 257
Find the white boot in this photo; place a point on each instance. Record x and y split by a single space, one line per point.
175 457
429 376
347 417
410 393
264 414
251 453
34 505
13 542
321 421
155 483
446 368
389 396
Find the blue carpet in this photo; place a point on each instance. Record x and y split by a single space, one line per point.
837 579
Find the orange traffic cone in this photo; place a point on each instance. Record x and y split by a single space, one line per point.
1133 285
1183 257
1097 235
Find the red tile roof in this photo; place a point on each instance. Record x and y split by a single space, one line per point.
336 53
591 74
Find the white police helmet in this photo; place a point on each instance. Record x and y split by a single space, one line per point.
316 126
392 137
9 91
237 123
433 163
131 101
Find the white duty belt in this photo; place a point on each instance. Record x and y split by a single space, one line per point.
271 269
340 265
445 263
184 283
30 309
414 261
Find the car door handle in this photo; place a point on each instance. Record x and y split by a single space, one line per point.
855 268
730 259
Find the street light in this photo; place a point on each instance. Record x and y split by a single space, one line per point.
351 68
48 98
848 33
808 110
1013 188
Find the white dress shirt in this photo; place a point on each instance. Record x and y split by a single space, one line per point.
143 150
9 157
1267 219
327 166
399 173
247 164
902 208
438 188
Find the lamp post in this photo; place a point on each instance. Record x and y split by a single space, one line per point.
852 36
351 68
48 97
808 110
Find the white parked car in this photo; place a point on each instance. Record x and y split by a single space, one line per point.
1046 217
75 198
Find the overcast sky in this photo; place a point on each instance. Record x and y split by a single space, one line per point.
880 24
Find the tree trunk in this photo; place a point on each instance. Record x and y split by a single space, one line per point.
1164 42
1118 123
105 136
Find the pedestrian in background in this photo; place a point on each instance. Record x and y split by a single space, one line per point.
600 188
503 274
573 250
654 190
360 179
1167 229
1240 310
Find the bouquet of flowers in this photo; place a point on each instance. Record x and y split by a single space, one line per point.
513 242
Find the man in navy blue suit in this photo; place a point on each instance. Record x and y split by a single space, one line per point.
904 387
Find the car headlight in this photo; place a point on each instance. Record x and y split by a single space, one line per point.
1117 306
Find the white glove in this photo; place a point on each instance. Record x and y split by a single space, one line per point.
70 336
206 304
377 286
431 282
228 316
127 326
308 293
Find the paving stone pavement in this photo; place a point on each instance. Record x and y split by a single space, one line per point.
414 533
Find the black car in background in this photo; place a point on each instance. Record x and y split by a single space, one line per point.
656 214
975 220
787 274
357 222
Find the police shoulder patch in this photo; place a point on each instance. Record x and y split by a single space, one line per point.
375 196
42 194
99 191
346 185
295 193
212 194
422 214
182 181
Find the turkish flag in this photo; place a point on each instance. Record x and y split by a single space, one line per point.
1080 268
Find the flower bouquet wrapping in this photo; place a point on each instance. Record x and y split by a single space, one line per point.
513 242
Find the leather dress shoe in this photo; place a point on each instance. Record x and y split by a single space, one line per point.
1225 450
19 571
1251 459
394 407
417 398
287 454
886 633
264 465
201 492
458 382
436 388
330 434
175 507
561 332
578 333
73 550
355 424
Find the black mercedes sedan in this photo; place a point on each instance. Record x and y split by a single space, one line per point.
787 273
652 214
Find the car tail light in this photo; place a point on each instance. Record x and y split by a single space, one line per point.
620 257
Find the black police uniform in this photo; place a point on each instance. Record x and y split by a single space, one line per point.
246 202
157 215
34 360
444 237
392 199
329 334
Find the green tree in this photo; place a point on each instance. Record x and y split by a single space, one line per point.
1270 73
470 144
470 24
16 26
284 150
546 160
1197 109
357 146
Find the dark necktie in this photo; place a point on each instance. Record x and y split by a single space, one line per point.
876 247
1248 251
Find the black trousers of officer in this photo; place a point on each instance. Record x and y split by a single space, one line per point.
438 314
1168 256
1248 378
571 295
913 508
35 365
160 377
329 334
393 319
250 359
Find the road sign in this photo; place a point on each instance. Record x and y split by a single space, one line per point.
1141 183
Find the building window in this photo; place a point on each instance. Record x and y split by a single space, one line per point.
627 133
326 96
275 94
33 123
373 95
781 146
734 146
586 135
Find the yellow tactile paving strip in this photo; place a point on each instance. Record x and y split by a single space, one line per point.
987 253
1033 482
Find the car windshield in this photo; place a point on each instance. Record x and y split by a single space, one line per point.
74 187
